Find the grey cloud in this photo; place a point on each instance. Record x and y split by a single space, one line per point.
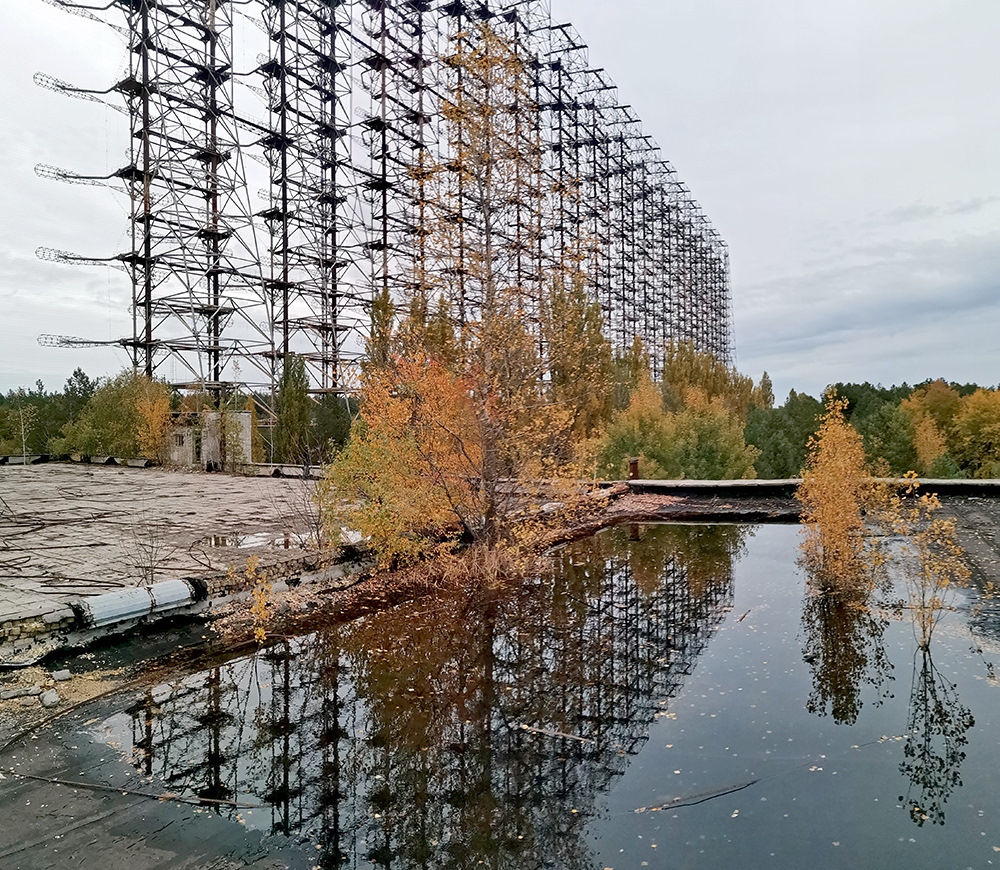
918 211
895 313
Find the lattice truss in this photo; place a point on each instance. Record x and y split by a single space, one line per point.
354 122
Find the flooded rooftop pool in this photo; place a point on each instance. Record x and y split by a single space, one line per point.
670 697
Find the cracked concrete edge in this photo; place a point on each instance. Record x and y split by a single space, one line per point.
30 634
40 609
47 612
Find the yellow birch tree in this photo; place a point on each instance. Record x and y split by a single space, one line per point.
835 490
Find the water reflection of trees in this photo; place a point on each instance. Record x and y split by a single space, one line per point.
437 734
845 650
935 736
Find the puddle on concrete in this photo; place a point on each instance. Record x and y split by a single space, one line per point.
670 696
286 541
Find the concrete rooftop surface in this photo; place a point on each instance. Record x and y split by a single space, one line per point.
69 530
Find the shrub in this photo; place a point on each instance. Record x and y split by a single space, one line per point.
703 441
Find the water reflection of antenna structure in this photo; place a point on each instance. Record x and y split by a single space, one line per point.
191 722
459 726
271 727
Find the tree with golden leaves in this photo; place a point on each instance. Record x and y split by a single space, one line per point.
482 199
835 490
685 367
840 498
976 433
152 404
932 409
579 358
455 414
408 478
128 415
929 443
934 562
938 400
703 440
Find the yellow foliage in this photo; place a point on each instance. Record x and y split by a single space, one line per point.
685 369
416 478
838 494
579 358
257 583
456 418
976 429
409 473
645 401
472 203
260 591
152 403
127 415
929 442
937 400
835 490
930 541
702 441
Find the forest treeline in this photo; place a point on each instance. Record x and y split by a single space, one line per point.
936 429
700 420
131 415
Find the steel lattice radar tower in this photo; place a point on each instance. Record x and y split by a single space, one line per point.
334 126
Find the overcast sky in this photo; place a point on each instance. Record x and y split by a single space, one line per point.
848 152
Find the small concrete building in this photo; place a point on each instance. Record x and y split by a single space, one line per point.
214 442
181 447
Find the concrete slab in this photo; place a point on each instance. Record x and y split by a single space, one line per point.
69 530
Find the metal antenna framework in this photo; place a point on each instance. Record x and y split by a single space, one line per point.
343 108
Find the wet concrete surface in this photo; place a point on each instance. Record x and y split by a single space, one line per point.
979 534
123 822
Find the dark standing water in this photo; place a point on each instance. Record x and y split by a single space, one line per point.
670 698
